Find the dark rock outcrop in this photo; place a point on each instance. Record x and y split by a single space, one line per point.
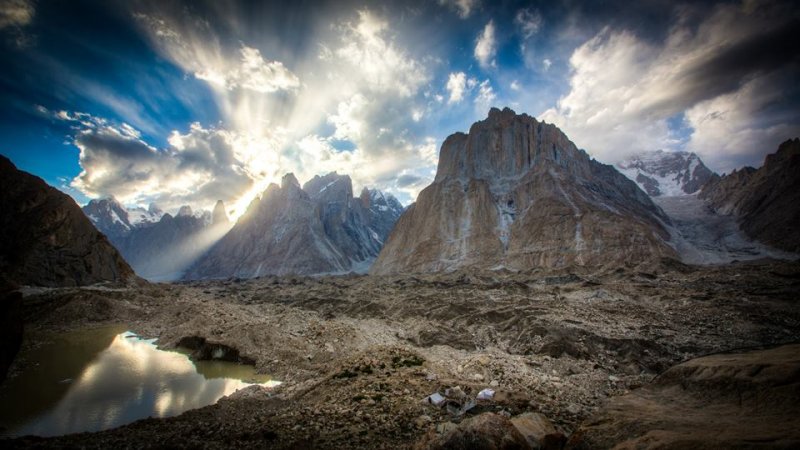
734 400
766 201
517 193
46 240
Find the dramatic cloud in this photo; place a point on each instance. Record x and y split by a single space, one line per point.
379 62
253 73
456 85
486 47
624 90
528 21
198 168
361 83
463 7
16 13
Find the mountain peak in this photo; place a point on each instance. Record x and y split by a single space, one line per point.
517 193
289 180
184 210
666 173
219 215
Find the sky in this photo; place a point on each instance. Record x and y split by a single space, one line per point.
190 102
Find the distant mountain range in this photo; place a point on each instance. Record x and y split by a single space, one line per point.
319 228
513 193
157 245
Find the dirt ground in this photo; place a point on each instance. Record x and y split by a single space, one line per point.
358 355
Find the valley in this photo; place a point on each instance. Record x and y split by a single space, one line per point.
358 355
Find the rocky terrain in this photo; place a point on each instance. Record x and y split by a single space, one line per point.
45 239
517 193
668 174
158 245
764 201
319 228
701 403
359 355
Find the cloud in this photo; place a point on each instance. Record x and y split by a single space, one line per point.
198 167
625 91
546 63
16 13
377 60
456 85
463 7
253 73
528 21
485 96
361 83
739 128
196 49
486 46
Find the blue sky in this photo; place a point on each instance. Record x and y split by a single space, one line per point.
190 102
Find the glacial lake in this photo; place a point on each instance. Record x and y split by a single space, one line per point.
101 378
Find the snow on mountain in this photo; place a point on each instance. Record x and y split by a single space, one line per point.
667 174
109 216
157 245
139 216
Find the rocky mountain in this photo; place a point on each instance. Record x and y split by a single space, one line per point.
314 229
161 249
45 239
765 201
666 174
517 193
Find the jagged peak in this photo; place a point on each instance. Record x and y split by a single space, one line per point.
185 210
219 215
289 180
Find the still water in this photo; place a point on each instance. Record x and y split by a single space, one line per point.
92 380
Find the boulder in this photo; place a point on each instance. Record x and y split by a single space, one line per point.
488 431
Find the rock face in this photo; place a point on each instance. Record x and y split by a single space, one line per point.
162 249
46 240
766 202
315 229
663 173
517 193
742 400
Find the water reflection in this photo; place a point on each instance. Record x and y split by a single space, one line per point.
129 380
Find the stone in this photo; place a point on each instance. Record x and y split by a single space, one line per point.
534 427
485 431
517 193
